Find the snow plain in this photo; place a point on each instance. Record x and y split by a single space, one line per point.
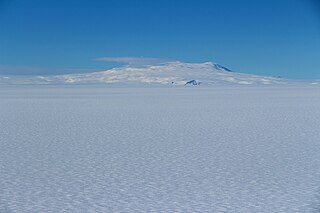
160 149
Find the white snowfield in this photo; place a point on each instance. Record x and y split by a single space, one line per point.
176 73
162 149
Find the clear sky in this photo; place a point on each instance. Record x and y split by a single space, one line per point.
264 37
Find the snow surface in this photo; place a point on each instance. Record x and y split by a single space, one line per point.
165 149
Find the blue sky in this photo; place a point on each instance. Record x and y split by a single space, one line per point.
264 37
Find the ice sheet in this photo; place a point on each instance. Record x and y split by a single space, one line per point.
178 149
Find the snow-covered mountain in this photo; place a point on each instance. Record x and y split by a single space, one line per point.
172 73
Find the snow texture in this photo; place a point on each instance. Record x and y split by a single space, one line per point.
165 149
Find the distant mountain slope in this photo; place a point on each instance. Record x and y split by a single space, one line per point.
176 73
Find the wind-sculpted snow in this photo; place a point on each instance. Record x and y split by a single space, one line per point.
176 73
167 149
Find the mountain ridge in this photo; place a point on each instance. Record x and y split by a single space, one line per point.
169 73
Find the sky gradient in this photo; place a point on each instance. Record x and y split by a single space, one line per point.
265 37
